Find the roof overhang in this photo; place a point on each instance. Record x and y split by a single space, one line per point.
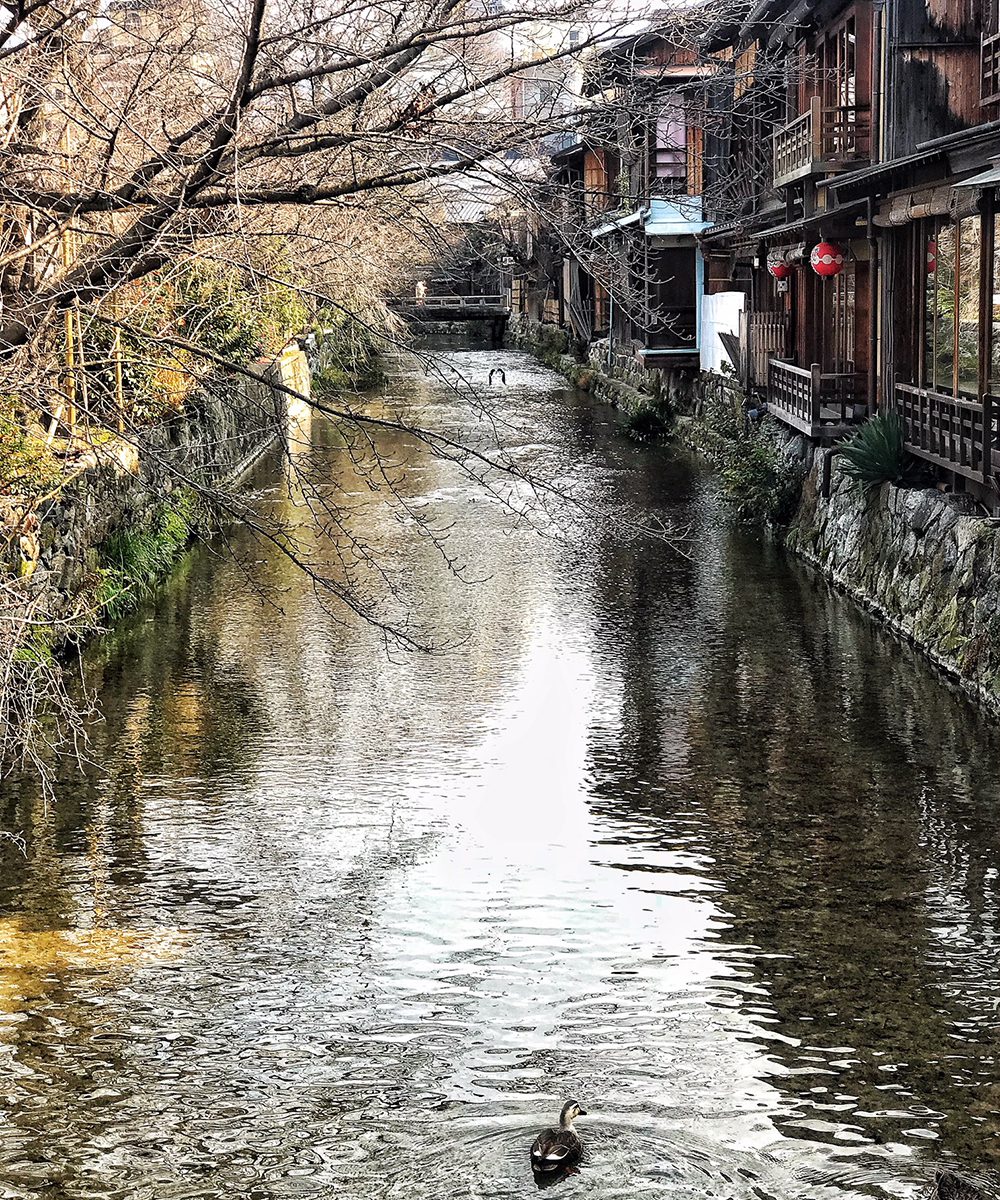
617 223
988 178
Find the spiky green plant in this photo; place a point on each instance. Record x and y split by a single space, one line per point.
877 453
647 423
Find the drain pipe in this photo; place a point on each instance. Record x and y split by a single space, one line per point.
826 478
874 312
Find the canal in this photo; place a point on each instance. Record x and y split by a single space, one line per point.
684 837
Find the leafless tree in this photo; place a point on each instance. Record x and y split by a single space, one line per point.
306 146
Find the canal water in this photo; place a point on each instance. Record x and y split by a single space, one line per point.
681 836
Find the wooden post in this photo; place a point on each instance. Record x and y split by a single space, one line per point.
816 390
987 283
816 128
119 388
81 361
70 370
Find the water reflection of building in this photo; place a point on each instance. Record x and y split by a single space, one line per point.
844 799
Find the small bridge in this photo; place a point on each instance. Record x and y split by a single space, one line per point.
451 308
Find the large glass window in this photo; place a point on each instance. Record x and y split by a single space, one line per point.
951 309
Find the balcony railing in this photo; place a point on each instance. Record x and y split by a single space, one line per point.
816 403
953 432
989 79
676 330
821 139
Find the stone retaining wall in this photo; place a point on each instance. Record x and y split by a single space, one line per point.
613 374
916 559
212 441
925 563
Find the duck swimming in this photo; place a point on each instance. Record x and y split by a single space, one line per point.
950 1186
558 1148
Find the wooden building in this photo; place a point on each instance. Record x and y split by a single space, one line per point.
884 161
630 209
824 174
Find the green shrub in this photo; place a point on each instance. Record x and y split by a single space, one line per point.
647 423
760 483
27 466
350 353
876 454
217 312
134 561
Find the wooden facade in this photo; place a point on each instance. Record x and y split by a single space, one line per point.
873 125
886 143
632 204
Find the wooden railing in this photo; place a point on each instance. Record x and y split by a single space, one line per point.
846 133
814 402
798 146
473 303
819 139
989 78
676 329
953 432
497 301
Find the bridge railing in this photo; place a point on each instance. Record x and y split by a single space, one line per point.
460 302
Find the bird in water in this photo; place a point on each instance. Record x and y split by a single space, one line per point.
950 1186
558 1148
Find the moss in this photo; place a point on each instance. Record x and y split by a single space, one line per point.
39 647
27 465
981 652
133 561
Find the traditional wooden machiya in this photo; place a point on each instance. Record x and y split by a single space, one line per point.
878 208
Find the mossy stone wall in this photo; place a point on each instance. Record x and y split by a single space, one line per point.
125 485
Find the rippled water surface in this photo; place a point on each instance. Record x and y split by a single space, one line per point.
686 839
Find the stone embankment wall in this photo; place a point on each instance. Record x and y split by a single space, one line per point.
919 561
615 376
124 483
923 563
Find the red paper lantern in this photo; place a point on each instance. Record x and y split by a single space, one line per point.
778 267
931 256
827 258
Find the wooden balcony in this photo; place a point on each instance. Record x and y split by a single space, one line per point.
953 432
816 403
820 140
674 332
989 76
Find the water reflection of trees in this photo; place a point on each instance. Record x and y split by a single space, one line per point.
847 799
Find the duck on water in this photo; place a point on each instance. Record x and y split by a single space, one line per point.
557 1148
